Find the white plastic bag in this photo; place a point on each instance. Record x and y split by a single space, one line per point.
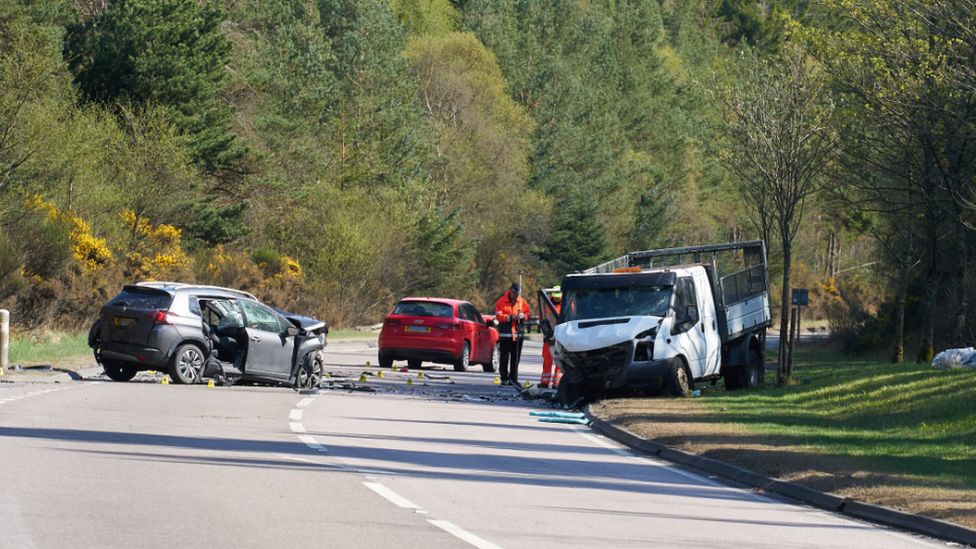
955 358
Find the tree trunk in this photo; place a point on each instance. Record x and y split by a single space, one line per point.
962 291
784 315
931 285
904 265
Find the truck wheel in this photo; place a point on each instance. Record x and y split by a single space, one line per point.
495 360
754 374
569 394
461 363
679 379
118 371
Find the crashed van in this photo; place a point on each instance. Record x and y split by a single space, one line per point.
662 320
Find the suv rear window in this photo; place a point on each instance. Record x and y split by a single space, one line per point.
424 308
139 298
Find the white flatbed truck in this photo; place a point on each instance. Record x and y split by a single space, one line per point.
662 320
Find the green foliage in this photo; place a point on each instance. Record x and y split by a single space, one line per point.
11 280
445 267
426 17
170 53
577 241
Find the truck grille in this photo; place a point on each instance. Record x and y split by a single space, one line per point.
615 356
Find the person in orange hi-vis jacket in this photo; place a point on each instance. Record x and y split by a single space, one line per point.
511 312
550 372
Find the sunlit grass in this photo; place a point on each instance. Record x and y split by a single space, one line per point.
47 347
901 418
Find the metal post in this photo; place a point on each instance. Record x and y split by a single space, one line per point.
4 339
789 360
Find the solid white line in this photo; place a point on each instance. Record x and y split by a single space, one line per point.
391 496
297 427
463 534
295 414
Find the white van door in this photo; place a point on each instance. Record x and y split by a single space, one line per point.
687 335
709 323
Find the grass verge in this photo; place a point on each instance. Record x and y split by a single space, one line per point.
896 435
48 347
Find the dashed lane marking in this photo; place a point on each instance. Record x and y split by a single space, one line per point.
391 496
463 534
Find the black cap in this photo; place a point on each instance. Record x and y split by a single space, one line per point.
515 287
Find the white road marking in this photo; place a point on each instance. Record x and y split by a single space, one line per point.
297 427
391 496
463 534
305 402
312 443
295 414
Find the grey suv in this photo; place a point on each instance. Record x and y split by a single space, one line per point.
193 332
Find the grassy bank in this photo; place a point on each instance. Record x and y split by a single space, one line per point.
898 435
48 347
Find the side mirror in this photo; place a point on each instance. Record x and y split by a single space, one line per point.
292 331
692 314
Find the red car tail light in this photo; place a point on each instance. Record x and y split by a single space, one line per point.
161 317
392 322
448 326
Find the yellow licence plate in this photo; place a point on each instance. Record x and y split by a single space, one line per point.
419 329
123 322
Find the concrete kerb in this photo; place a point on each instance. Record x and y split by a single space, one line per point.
865 511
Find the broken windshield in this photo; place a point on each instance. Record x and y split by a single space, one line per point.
587 303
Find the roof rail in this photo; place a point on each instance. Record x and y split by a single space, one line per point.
635 258
177 285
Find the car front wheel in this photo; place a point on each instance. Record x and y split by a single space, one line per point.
186 366
309 374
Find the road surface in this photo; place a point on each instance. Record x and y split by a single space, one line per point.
448 460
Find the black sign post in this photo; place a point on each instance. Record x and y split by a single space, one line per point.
799 298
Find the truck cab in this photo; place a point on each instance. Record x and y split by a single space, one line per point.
625 326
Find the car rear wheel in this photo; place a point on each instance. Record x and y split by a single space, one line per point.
495 360
309 374
186 366
462 362
386 361
118 371
414 364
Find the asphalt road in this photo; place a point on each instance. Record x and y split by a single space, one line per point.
449 460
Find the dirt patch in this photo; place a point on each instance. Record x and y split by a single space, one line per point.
689 425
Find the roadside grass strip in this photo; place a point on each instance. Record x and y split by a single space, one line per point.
898 435
48 347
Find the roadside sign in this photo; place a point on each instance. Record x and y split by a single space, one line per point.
801 297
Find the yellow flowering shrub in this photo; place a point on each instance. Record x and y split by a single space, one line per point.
91 253
158 252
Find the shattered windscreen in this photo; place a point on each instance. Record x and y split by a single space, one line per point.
588 303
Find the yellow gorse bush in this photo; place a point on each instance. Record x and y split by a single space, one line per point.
91 252
159 250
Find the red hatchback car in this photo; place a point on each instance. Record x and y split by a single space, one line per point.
445 331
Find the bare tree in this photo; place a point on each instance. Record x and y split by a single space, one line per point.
780 128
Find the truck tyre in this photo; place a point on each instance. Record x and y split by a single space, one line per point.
118 371
733 376
461 363
495 360
187 364
754 373
569 394
678 382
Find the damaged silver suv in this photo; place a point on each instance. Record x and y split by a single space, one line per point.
193 332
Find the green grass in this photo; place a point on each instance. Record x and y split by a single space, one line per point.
47 347
350 333
903 419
